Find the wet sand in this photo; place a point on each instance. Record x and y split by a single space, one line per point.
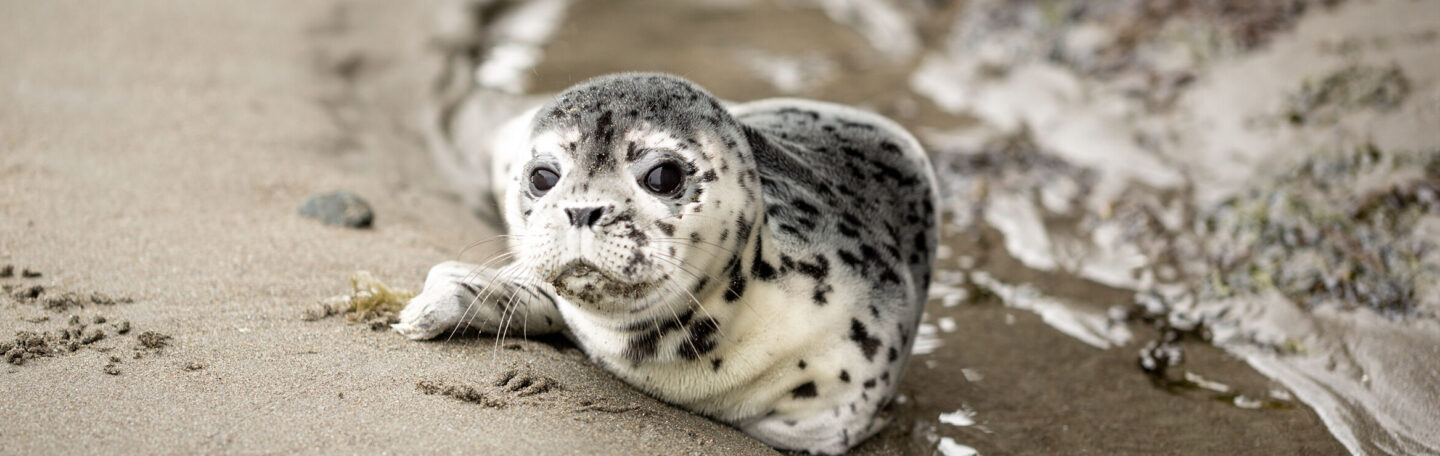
159 151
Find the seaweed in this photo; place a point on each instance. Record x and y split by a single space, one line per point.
369 301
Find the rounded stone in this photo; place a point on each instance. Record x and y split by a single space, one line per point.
339 208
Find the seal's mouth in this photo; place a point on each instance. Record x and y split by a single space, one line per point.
583 280
580 269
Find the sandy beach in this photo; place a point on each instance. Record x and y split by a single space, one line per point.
157 153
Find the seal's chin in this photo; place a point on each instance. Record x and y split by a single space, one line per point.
581 281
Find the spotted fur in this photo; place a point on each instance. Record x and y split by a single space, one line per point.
778 290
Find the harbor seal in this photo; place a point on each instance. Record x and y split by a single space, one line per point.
764 264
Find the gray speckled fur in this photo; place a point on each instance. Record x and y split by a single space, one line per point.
779 290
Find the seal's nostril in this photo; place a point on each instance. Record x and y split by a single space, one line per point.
581 217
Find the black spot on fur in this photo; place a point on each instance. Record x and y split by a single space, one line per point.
890 148
632 151
700 285
869 383
605 134
761 269
804 391
857 125
888 275
817 270
799 112
805 207
715 364
701 340
666 228
819 295
737 281
868 345
851 259
742 229
664 326
894 355
793 231
802 364
643 346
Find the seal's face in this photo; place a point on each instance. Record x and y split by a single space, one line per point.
622 206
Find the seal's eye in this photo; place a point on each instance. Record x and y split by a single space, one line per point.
542 180
664 178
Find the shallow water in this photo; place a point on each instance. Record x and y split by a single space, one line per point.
1201 229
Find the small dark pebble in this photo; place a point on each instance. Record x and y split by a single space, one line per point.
29 274
122 327
339 208
7 271
192 366
112 369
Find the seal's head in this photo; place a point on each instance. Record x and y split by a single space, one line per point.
638 190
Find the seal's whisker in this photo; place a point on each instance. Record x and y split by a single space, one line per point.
478 268
692 243
680 267
666 303
506 311
479 296
478 299
500 237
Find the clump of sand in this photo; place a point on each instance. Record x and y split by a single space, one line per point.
75 334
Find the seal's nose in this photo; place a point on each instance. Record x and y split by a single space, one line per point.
582 217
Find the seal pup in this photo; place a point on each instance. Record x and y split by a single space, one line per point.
764 264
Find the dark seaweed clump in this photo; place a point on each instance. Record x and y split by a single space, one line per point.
1336 230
